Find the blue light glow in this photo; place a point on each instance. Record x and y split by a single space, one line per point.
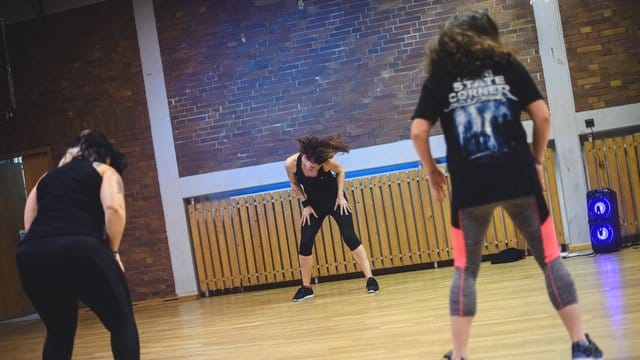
609 274
599 207
602 232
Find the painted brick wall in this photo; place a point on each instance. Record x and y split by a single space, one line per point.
246 77
81 69
603 46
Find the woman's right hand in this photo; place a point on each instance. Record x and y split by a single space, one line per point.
306 215
437 184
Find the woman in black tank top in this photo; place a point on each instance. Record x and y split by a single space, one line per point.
317 179
75 218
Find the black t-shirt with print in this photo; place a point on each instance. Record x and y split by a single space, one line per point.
488 156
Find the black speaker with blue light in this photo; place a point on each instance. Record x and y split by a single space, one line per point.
604 224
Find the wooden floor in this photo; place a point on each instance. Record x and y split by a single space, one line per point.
407 319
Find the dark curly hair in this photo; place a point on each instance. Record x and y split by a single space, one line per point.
319 150
95 146
469 44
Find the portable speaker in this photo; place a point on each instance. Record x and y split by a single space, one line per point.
604 225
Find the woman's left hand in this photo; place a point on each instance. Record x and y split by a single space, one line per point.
344 205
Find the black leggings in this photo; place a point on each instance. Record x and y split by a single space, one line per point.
345 224
58 272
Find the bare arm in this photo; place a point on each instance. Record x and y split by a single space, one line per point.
334 165
290 167
307 211
539 113
420 130
112 197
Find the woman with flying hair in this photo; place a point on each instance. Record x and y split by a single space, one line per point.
74 220
477 89
317 179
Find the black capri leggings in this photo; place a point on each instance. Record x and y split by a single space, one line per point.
345 224
58 272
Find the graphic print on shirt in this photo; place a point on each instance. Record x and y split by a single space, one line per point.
482 116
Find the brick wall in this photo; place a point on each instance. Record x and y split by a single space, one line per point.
246 77
603 47
81 69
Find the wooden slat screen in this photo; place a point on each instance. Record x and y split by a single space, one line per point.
614 163
252 240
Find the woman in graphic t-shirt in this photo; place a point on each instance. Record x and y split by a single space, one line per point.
477 89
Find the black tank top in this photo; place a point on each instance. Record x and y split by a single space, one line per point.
69 202
321 189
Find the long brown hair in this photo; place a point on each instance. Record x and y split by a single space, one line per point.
319 150
468 45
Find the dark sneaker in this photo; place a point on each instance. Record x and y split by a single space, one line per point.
447 356
372 285
589 351
303 293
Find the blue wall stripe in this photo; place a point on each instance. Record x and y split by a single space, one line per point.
349 175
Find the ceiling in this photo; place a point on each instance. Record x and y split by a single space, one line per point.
17 10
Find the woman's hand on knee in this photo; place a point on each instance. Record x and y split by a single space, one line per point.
306 215
341 202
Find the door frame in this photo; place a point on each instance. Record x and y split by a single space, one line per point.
24 306
21 153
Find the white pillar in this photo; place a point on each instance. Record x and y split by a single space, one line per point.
569 164
168 177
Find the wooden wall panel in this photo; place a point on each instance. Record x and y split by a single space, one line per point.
253 240
197 249
613 163
632 149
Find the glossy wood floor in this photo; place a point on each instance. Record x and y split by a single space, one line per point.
407 319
